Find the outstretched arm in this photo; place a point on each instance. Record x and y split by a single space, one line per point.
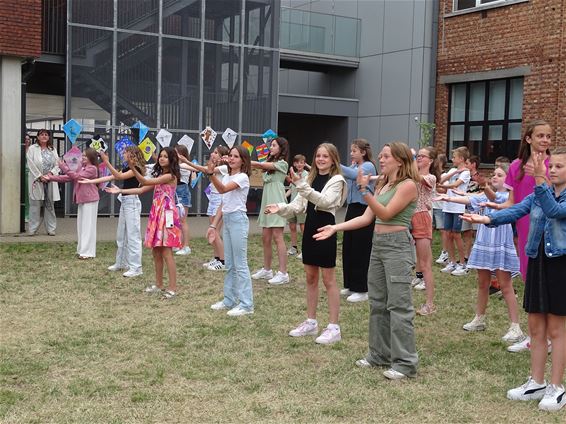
353 224
117 190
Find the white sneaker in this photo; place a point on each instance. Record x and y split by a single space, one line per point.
306 328
206 264
218 306
460 270
554 398
133 273
363 363
391 374
300 255
442 258
531 390
521 346
416 281
279 278
449 268
238 311
329 336
216 266
477 324
514 334
115 267
184 251
421 286
292 251
357 297
263 274
346 292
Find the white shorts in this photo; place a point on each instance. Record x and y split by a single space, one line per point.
214 201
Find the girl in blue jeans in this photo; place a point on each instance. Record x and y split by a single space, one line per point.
234 187
545 290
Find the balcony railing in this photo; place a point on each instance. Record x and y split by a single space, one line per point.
319 33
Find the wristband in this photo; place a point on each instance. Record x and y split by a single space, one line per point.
540 176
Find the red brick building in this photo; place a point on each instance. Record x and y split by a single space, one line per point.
20 28
500 64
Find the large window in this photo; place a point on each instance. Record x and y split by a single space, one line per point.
469 4
485 116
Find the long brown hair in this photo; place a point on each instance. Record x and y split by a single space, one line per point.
363 145
136 154
283 152
246 160
173 164
334 155
92 157
525 147
408 169
434 166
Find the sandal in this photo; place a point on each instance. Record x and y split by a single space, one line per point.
169 294
152 289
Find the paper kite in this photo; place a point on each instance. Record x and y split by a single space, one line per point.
208 191
195 181
73 158
187 142
142 129
208 135
268 136
103 171
262 152
97 143
164 137
248 146
121 145
229 137
72 129
147 148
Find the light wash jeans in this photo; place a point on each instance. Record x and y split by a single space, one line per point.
237 282
128 234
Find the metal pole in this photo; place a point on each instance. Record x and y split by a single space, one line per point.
23 161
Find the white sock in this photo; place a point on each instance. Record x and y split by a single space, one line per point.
312 321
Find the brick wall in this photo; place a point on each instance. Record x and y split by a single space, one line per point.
524 34
20 28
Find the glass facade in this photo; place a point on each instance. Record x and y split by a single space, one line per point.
175 64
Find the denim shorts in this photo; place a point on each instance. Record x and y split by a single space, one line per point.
438 219
184 195
452 222
214 201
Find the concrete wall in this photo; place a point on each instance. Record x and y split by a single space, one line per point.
10 141
396 77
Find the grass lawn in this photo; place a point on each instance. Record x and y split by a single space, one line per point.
80 344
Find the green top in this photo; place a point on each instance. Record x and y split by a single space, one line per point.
402 218
273 192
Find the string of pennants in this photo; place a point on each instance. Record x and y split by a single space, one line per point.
72 130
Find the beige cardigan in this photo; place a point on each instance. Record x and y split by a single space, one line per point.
35 187
331 197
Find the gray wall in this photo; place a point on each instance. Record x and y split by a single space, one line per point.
395 80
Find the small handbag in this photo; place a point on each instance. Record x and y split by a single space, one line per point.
180 207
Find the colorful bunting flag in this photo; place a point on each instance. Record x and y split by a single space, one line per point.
262 152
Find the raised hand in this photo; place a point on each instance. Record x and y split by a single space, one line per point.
325 232
273 208
103 156
539 166
362 180
295 178
210 167
475 218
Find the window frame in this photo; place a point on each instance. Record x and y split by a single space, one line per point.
478 4
485 123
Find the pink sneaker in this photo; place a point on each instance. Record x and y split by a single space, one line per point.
329 336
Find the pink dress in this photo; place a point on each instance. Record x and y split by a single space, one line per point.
157 234
521 189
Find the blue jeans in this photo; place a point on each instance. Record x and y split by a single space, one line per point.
237 282
128 233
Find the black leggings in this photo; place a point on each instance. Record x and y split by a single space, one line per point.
356 250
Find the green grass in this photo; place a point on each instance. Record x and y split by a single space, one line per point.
79 344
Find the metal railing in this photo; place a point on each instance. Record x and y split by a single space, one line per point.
54 34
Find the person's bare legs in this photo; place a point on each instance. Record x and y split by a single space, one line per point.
539 347
312 272
484 279
169 260
281 248
424 265
158 262
266 237
556 331
333 294
506 286
293 231
185 228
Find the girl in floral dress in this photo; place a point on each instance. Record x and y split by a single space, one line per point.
163 227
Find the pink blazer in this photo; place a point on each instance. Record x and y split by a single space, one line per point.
82 193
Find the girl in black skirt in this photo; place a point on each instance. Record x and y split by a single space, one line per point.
323 192
545 287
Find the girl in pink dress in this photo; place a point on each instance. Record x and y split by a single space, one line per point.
163 231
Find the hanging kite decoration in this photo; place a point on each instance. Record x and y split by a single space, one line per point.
73 158
147 148
268 136
72 130
208 135
246 145
120 147
141 128
97 143
262 152
229 137
164 137
187 141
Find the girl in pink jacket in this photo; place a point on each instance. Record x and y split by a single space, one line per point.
86 197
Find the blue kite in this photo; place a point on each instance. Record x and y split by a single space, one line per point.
143 129
72 130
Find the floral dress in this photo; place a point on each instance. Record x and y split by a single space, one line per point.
156 234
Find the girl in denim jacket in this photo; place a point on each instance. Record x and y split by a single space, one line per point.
545 291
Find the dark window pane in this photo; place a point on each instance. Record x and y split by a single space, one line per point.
180 84
137 79
221 89
458 107
516 98
139 15
259 23
223 20
182 17
477 101
464 4
258 107
497 99
93 12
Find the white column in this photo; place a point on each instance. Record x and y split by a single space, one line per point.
10 134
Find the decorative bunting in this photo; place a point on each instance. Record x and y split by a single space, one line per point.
164 137
187 141
208 135
147 148
229 137
72 130
142 128
73 158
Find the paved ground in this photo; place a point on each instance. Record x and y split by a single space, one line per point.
106 229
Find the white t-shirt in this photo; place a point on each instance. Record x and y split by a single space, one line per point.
223 169
438 204
235 200
185 173
464 176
